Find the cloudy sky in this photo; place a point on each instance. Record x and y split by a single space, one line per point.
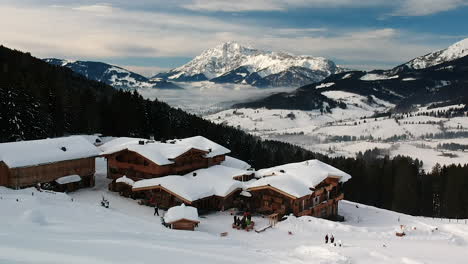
149 36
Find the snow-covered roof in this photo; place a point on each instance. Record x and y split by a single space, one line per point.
203 143
68 179
163 153
235 163
36 152
180 212
216 180
125 180
296 179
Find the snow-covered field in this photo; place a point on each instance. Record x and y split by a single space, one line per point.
58 228
345 132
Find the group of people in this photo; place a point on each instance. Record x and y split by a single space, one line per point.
243 222
332 240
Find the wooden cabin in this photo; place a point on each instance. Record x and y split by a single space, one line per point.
28 163
141 159
182 217
307 188
212 189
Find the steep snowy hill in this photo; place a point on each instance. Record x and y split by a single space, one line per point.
231 62
43 227
455 51
109 74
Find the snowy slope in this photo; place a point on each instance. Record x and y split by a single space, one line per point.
345 132
53 228
455 51
112 75
241 64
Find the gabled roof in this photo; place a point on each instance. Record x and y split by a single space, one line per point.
216 180
43 151
296 179
164 153
181 212
203 143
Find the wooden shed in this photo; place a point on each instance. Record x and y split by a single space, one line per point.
182 217
27 163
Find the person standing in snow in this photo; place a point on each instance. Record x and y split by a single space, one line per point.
332 239
326 239
156 209
339 243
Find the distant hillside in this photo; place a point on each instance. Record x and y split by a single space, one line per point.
403 86
117 77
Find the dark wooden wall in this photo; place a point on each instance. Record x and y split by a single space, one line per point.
4 174
137 167
184 225
29 176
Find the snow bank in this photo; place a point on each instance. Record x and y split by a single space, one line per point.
36 152
125 180
68 179
235 163
324 85
376 77
177 213
319 255
34 216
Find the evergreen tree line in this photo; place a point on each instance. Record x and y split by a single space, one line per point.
399 184
38 100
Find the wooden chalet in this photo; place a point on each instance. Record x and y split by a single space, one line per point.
65 163
140 159
213 188
307 188
182 217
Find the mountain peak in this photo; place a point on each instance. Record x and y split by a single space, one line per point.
239 63
453 52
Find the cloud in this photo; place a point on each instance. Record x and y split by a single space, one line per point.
271 5
75 32
148 71
96 8
426 7
395 7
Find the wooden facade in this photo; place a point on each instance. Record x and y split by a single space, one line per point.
45 173
184 224
166 199
138 167
322 202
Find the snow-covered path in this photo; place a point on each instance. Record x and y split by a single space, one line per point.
51 228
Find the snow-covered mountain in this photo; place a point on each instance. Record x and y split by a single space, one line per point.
231 62
455 51
440 77
115 76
